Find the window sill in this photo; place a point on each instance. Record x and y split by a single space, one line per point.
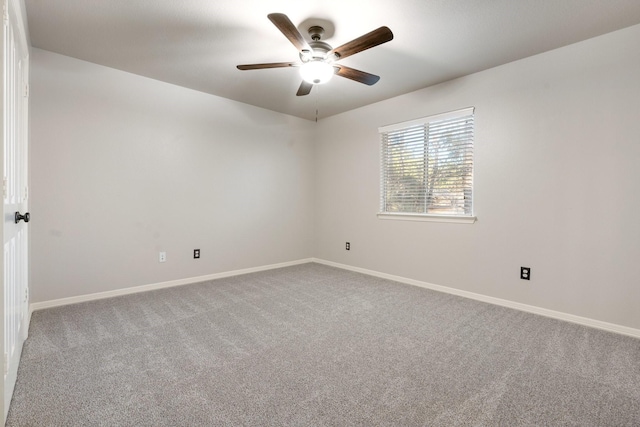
432 218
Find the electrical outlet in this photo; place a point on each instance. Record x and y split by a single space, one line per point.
196 253
162 257
348 246
525 273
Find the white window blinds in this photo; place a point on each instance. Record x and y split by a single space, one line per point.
427 165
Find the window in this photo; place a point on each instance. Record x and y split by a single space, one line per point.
427 168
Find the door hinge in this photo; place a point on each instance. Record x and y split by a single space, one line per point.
26 294
26 91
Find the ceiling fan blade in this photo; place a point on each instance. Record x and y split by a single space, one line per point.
357 75
369 40
267 65
304 89
290 31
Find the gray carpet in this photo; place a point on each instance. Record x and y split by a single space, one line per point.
312 345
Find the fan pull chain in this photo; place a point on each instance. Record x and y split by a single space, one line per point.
317 96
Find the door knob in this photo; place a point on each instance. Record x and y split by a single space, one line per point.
26 217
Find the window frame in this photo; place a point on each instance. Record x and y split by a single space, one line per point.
418 216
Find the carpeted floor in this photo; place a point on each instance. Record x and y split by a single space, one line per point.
312 345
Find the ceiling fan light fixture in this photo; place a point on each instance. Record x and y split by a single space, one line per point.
317 57
316 72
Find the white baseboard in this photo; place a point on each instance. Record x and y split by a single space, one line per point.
611 327
145 288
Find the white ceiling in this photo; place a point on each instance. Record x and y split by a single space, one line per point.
198 43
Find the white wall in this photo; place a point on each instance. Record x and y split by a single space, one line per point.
557 184
123 167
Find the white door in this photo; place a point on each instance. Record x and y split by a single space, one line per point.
15 137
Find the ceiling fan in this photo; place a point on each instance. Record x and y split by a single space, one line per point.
318 59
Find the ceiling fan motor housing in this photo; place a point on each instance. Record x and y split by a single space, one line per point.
319 49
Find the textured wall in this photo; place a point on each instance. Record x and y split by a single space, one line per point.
556 184
123 167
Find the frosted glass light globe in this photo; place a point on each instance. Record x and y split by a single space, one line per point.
316 72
